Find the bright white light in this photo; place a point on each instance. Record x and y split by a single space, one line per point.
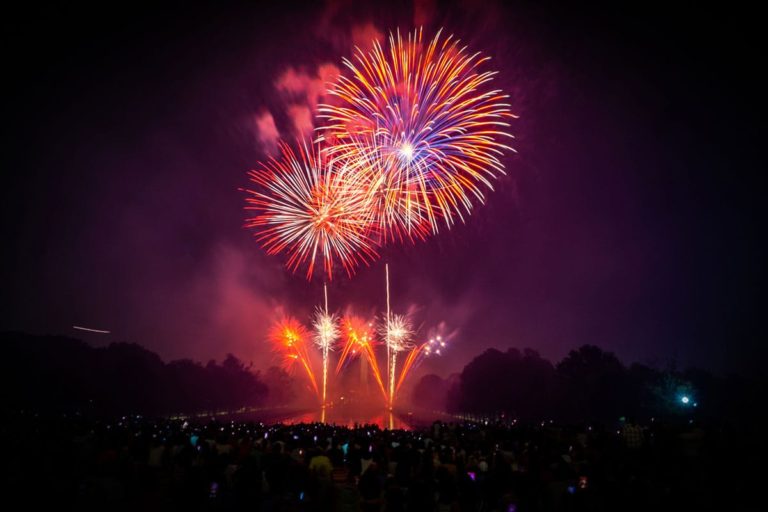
406 151
685 399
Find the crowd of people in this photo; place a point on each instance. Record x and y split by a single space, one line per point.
136 463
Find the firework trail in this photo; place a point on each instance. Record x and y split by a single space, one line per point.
326 333
397 332
308 209
356 334
397 213
422 121
417 355
359 340
288 338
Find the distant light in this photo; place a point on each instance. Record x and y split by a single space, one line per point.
685 399
100 331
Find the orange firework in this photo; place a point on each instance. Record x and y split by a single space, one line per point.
288 338
417 354
308 209
359 340
422 122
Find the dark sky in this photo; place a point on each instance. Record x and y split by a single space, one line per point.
630 216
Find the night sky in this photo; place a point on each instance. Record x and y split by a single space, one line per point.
630 217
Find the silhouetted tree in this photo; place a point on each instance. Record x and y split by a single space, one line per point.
430 392
512 382
282 388
56 373
594 384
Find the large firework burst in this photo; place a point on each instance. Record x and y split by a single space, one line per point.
422 120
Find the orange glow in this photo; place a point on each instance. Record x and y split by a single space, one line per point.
358 336
288 339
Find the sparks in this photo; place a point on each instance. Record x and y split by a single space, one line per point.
326 333
359 341
422 120
311 210
288 338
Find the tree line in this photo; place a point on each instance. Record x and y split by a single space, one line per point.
589 384
56 373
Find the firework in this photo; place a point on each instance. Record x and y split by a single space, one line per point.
326 333
397 333
396 210
422 122
309 209
288 338
356 334
417 354
359 341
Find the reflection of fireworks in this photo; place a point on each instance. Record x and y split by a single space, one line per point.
288 338
359 340
422 121
326 333
307 209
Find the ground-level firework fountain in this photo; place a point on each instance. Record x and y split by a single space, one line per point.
357 340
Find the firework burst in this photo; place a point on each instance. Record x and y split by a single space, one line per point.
309 210
359 342
422 121
326 333
288 339
397 333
